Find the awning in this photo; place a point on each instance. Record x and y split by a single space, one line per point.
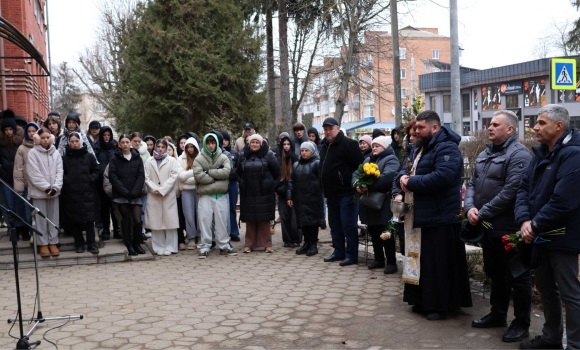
369 127
10 33
356 125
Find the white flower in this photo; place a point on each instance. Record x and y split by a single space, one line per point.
385 235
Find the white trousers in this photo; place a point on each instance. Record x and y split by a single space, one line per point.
50 208
164 240
218 210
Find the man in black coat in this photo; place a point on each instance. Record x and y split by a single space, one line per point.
548 199
434 184
491 197
339 158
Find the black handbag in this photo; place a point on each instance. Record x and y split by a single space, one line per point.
373 200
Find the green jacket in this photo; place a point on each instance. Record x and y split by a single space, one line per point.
211 171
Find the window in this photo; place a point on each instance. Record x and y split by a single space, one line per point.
102 122
466 128
99 107
433 103
512 101
446 103
403 54
403 93
435 54
465 105
403 73
369 111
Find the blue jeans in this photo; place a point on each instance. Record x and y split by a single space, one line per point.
342 218
14 203
233 193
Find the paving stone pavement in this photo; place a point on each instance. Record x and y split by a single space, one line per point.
250 301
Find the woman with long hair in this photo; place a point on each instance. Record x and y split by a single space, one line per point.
127 176
104 148
189 197
139 145
161 216
286 158
54 125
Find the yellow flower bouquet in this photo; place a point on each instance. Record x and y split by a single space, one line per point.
367 174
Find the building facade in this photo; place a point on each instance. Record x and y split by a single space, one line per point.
27 91
522 88
370 103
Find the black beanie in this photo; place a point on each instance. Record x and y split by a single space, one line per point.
9 123
73 116
94 124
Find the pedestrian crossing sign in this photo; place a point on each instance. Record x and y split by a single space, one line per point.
563 74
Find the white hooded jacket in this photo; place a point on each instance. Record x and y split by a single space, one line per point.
186 180
44 170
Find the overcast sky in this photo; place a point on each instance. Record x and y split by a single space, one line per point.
492 32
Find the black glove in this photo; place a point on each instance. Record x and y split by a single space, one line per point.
52 192
47 191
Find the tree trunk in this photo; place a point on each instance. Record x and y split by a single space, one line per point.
270 74
284 69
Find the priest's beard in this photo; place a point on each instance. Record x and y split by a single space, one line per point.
423 141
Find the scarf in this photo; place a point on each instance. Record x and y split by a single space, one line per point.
158 156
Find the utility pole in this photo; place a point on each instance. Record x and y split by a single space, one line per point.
456 115
49 59
3 78
396 63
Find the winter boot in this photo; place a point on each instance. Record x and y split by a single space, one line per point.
313 249
137 232
302 250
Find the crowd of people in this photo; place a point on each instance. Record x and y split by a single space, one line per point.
184 197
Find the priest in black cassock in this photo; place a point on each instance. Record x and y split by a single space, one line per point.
435 266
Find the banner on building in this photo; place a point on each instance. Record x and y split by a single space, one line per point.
535 93
511 88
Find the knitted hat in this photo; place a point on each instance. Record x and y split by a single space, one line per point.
255 137
9 123
309 145
367 139
382 141
94 124
73 116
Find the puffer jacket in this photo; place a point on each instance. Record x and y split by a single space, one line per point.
107 186
44 170
282 185
104 151
436 185
493 187
81 172
19 174
305 192
127 176
338 161
211 170
388 164
549 194
7 157
257 172
185 179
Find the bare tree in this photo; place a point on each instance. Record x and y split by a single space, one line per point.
556 41
67 93
101 63
543 48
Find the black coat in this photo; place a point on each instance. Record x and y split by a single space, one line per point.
282 185
493 187
104 151
338 161
436 185
80 172
126 177
7 156
388 166
257 173
549 194
305 192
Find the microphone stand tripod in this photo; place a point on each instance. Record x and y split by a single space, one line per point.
23 342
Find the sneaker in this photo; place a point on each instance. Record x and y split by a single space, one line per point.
160 253
228 252
167 253
182 246
539 343
191 245
203 255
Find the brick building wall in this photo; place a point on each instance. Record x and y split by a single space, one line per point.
26 95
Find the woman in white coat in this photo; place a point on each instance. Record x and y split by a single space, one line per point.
161 216
187 186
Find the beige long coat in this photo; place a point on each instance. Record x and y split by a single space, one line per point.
161 212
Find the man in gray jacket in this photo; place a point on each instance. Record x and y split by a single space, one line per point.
490 197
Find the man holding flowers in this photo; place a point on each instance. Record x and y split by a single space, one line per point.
490 197
435 269
548 200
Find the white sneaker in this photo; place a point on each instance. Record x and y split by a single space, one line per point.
167 252
160 252
191 245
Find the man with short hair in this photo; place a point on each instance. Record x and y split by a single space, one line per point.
435 269
548 199
339 158
490 197
240 142
300 136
